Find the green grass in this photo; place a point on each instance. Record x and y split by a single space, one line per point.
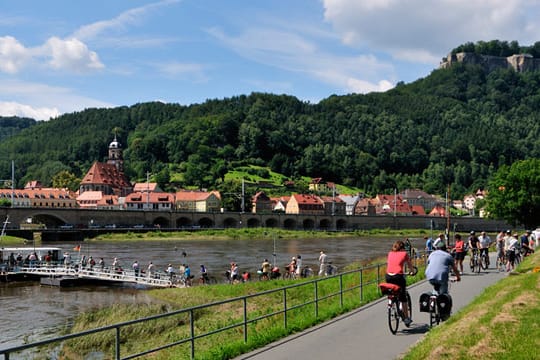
502 323
230 343
257 233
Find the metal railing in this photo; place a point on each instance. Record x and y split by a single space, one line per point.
356 281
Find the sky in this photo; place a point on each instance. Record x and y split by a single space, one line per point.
64 56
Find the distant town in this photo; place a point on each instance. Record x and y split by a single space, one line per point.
105 187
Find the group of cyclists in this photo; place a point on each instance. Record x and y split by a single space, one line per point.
442 262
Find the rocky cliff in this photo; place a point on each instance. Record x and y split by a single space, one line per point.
518 62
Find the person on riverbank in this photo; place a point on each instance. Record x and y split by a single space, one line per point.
298 266
459 251
170 271
204 274
101 264
234 275
323 262
266 267
396 261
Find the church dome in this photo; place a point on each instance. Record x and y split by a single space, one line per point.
115 144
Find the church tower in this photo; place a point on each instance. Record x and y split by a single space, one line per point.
115 155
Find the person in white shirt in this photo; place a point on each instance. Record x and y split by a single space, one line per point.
323 260
484 244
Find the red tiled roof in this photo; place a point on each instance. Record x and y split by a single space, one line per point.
108 174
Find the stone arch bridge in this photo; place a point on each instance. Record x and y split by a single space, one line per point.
57 220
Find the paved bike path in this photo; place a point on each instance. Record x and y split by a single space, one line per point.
364 333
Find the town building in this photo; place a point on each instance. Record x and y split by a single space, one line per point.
305 204
198 201
155 201
261 203
109 177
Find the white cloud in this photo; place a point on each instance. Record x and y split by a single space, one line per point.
430 28
13 55
293 52
131 16
70 54
183 70
10 108
17 95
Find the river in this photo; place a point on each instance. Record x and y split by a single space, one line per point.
31 312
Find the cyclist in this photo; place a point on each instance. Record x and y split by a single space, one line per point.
485 243
473 243
438 267
397 258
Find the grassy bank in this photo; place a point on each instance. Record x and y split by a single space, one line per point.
258 233
7 241
502 323
224 345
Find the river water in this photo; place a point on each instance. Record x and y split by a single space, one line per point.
30 312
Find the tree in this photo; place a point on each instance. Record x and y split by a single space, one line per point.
514 193
66 180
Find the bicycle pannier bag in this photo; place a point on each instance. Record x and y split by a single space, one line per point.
424 302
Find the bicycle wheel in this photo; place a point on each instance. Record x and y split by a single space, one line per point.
478 264
434 317
409 304
393 316
484 262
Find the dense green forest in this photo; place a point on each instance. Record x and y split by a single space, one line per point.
455 127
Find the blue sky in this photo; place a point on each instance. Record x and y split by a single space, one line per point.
61 56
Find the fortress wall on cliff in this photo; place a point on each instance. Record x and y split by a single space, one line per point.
518 62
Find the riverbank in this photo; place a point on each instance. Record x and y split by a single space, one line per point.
230 343
260 233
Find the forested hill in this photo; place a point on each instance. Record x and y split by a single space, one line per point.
456 126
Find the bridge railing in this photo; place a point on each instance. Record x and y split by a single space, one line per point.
354 282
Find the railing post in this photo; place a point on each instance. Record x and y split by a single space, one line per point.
316 282
117 347
361 284
192 333
341 290
245 321
285 307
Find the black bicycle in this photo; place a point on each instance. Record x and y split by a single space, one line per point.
394 310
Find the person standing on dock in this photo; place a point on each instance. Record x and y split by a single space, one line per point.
135 267
150 270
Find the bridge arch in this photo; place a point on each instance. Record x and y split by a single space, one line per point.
271 223
253 223
50 221
308 224
289 224
325 224
183 222
230 222
161 222
341 224
206 222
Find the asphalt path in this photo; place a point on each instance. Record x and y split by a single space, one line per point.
364 333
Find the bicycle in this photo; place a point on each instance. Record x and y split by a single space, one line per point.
475 261
501 261
395 312
484 260
438 305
